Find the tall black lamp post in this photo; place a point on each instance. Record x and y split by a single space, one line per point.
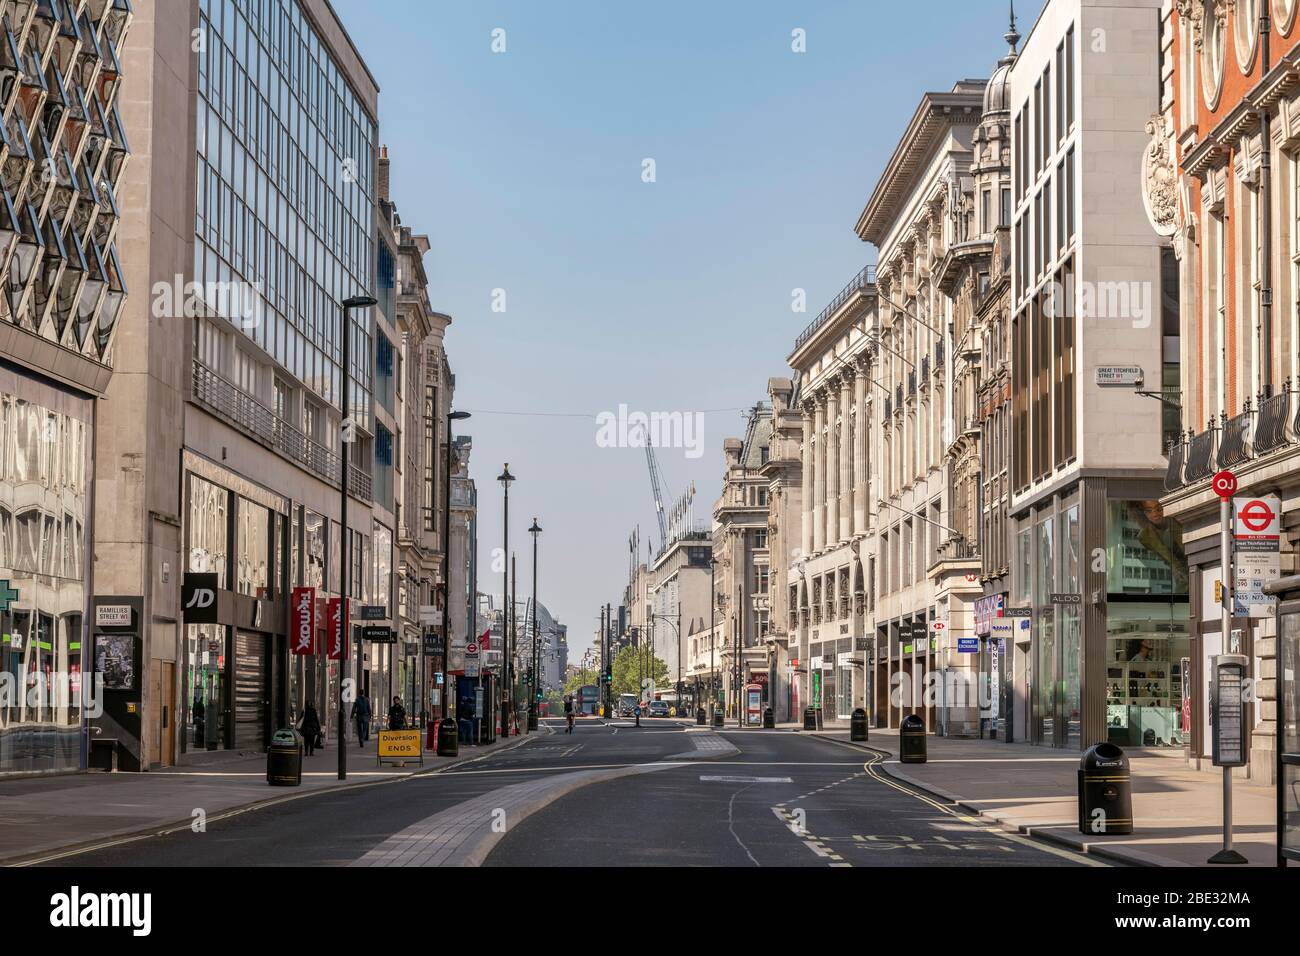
507 624
535 531
345 439
446 579
713 638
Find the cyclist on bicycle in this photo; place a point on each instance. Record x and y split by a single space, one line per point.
568 713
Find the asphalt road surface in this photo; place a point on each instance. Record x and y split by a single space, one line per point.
612 794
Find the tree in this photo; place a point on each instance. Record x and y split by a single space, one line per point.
632 665
576 680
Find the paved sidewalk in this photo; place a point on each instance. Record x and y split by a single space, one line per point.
1177 811
42 815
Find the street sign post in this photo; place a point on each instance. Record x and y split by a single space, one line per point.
1225 485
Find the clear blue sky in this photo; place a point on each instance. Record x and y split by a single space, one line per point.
525 170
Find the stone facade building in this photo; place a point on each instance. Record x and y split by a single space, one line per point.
742 577
1220 179
827 580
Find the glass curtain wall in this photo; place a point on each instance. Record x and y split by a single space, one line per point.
44 475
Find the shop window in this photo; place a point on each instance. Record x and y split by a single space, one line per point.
1144 550
1147 653
208 546
253 559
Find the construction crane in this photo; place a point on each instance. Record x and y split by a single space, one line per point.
656 489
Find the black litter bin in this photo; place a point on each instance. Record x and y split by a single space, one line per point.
769 718
532 717
1105 791
448 738
809 719
701 717
858 725
911 740
284 759
717 717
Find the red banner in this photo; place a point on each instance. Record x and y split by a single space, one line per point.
302 621
336 618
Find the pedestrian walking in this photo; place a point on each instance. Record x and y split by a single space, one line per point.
361 714
397 715
310 728
568 713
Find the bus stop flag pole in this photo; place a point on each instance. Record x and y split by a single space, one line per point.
1225 485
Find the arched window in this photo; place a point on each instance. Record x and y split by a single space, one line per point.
1246 32
1284 15
1213 49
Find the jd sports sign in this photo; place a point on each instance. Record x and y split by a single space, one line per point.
199 598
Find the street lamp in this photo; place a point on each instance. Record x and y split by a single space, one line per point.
507 629
345 438
535 530
713 638
738 615
446 578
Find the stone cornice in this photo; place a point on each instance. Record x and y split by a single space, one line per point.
934 117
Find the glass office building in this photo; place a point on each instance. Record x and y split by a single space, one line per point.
285 230
285 196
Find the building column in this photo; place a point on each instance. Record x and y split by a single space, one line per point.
831 499
818 506
863 428
805 506
846 460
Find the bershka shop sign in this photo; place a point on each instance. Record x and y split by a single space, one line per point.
302 621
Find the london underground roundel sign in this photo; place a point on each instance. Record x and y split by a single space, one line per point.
1224 484
1256 516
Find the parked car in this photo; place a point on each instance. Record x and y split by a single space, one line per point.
658 708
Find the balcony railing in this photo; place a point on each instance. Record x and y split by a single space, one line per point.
1235 446
859 283
958 548
1274 417
1177 463
360 484
1231 442
1200 455
249 415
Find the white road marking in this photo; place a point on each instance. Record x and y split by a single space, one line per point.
722 778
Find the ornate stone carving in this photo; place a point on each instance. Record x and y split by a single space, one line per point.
1160 178
1193 13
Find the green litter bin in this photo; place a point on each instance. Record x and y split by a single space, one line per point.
284 758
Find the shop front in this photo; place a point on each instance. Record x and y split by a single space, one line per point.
994 630
1109 631
239 684
45 479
